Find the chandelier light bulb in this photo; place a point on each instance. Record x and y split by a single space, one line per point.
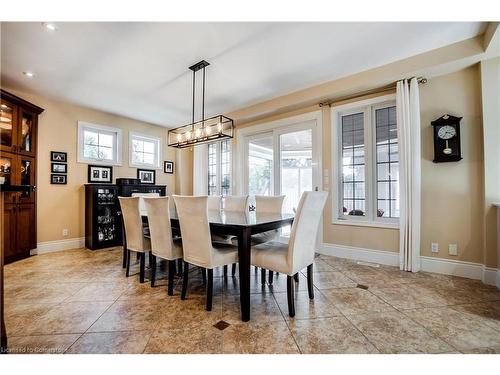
179 137
197 133
219 127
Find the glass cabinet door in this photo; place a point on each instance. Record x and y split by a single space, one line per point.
8 121
26 177
26 135
7 173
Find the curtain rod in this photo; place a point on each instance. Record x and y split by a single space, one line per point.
392 86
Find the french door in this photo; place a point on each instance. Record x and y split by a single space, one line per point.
284 161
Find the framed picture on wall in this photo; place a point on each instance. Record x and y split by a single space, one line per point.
59 167
58 179
146 176
101 174
168 167
58 156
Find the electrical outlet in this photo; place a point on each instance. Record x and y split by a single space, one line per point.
435 247
65 232
453 249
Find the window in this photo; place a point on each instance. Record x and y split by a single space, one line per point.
144 150
99 144
219 168
366 164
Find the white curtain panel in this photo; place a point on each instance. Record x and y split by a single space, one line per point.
408 117
200 160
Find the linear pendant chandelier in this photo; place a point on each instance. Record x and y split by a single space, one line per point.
205 130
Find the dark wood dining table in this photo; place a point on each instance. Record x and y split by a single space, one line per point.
242 225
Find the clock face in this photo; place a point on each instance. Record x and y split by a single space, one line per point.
447 132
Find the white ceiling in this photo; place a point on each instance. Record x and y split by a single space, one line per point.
140 70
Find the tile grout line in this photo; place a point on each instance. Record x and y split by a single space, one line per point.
419 324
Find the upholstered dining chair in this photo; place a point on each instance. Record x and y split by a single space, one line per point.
233 203
197 244
214 202
299 252
163 244
236 203
136 241
267 205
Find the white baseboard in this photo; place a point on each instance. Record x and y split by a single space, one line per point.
388 258
487 275
53 246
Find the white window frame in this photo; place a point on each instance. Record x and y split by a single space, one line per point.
368 107
145 137
218 163
117 143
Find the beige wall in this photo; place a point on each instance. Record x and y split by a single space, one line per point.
62 206
452 193
490 79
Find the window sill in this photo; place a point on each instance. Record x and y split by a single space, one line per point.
360 223
144 166
100 162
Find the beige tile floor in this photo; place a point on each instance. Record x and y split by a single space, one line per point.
80 301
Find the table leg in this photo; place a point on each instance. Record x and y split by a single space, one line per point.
244 264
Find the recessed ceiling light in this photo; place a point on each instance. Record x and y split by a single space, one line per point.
29 74
4 106
49 26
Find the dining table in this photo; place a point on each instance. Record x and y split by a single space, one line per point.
242 225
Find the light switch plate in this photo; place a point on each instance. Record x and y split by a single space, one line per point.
453 249
435 247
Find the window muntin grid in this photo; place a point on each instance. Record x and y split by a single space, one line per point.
353 165
387 162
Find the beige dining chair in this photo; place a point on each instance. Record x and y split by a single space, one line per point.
197 244
136 241
267 205
163 244
214 202
233 203
299 252
236 203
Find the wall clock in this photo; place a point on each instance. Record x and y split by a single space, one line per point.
447 139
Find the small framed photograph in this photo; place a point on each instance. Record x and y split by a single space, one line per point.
58 156
168 167
58 179
101 174
59 167
146 176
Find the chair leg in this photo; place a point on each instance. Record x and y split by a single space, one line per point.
225 271
271 275
204 275
142 267
185 281
262 276
289 292
210 288
296 277
310 287
152 266
124 263
171 273
233 270
179 266
127 271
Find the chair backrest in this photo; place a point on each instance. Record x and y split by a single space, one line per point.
214 202
302 244
269 204
142 207
160 229
133 223
195 229
236 203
